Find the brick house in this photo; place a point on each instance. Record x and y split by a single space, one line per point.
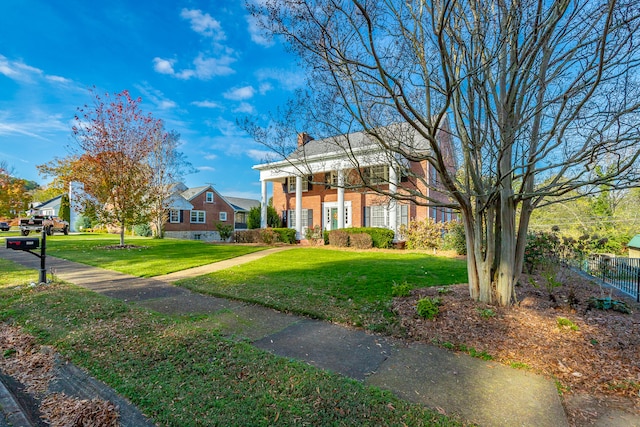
195 212
318 185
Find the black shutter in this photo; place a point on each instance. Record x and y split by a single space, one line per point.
309 180
310 218
367 216
327 180
285 186
181 216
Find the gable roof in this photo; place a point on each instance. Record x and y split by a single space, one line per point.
191 193
401 135
241 204
635 242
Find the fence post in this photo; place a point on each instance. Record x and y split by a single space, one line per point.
638 284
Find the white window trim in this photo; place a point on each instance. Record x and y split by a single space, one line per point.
222 216
291 184
172 219
197 221
208 197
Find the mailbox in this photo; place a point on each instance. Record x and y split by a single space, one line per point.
22 243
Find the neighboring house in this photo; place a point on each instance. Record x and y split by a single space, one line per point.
49 208
634 247
195 212
317 184
241 208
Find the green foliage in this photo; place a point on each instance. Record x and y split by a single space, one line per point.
339 238
564 323
428 308
142 230
454 238
360 241
65 208
609 304
268 236
380 237
401 289
285 235
83 223
255 215
313 233
425 234
542 248
486 313
225 231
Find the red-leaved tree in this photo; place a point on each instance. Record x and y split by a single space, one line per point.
114 139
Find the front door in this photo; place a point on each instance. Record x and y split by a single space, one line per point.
334 218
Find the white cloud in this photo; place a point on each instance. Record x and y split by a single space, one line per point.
245 108
21 72
156 97
203 24
206 168
210 157
259 155
265 87
257 34
287 79
240 93
214 59
163 66
205 68
227 128
58 79
206 104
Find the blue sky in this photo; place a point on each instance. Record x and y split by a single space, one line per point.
198 65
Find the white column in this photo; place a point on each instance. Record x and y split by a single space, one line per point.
298 207
340 199
263 204
393 208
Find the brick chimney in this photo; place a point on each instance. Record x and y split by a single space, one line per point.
303 138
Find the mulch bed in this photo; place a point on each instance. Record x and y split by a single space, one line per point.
592 353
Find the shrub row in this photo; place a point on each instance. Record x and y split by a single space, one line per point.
361 237
266 236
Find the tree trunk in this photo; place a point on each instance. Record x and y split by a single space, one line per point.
122 225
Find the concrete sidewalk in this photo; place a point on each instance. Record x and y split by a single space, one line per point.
482 392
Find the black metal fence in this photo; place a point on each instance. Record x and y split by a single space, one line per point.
621 273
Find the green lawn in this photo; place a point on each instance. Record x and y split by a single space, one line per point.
353 287
180 372
154 257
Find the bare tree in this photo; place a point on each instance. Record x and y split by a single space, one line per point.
537 93
167 166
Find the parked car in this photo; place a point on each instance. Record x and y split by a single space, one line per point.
4 226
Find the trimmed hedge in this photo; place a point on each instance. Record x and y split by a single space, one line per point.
285 235
267 236
380 237
361 241
339 238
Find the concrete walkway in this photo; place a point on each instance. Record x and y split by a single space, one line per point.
482 392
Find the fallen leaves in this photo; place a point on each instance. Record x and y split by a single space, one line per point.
32 365
599 358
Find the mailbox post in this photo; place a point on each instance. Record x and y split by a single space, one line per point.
27 244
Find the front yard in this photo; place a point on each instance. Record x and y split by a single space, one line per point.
144 256
178 370
344 286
